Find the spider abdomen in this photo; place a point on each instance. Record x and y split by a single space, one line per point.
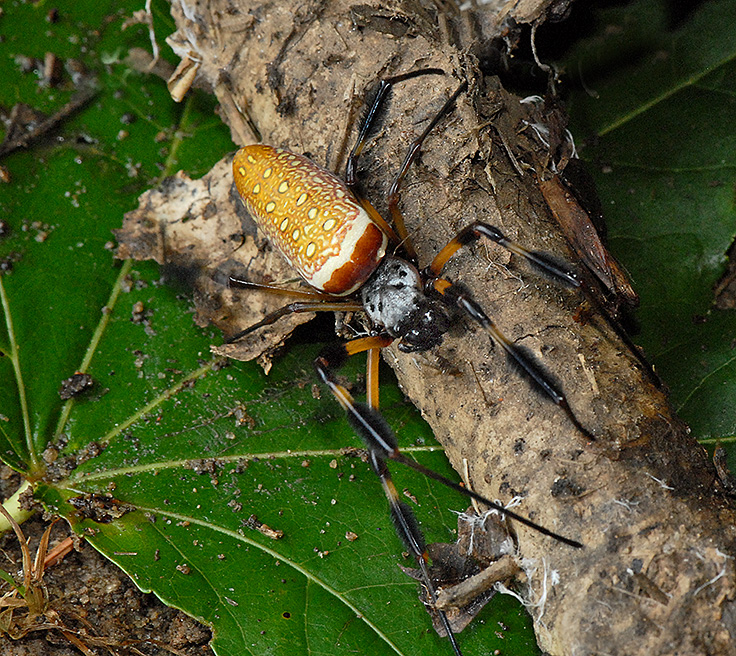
310 216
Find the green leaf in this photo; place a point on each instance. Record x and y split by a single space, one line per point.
660 108
176 450
196 450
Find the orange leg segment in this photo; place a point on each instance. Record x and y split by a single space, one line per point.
378 219
372 378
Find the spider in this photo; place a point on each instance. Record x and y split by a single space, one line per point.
338 242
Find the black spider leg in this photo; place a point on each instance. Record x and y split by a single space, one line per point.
402 516
407 528
543 262
376 102
453 295
412 153
545 265
378 437
376 105
321 303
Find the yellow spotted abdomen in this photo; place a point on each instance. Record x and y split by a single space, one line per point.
310 216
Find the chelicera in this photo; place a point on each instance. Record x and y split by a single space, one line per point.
340 245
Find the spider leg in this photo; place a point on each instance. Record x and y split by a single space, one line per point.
412 153
321 303
378 219
368 126
241 283
402 516
371 119
407 528
470 234
378 437
454 295
543 263
372 390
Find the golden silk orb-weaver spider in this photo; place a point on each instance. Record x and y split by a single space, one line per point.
338 243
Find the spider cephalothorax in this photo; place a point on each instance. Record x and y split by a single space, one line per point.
394 299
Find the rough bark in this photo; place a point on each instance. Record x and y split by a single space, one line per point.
656 575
